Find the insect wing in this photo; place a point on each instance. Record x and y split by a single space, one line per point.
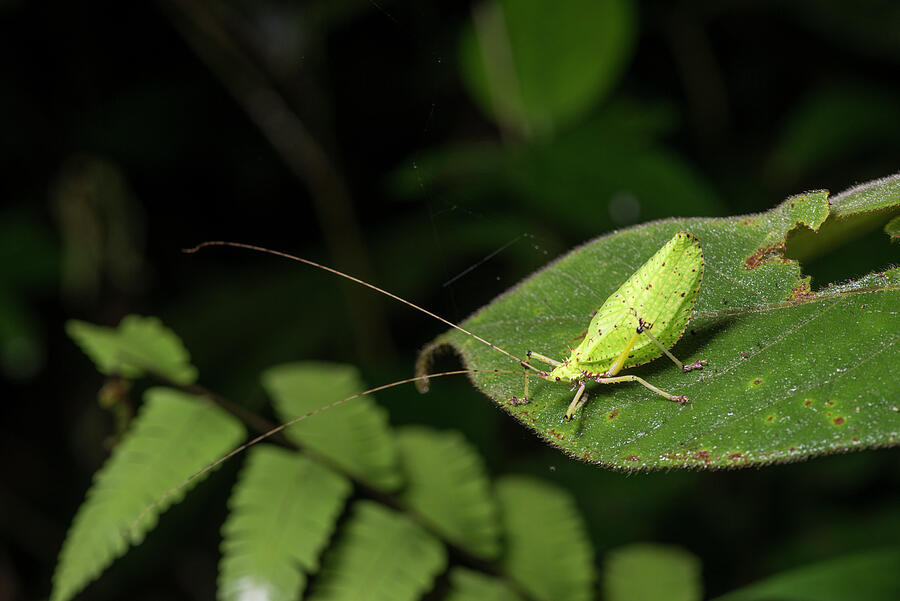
662 293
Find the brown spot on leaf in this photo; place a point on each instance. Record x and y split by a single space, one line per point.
757 382
770 419
735 456
807 402
801 291
772 252
702 456
614 414
745 354
632 458
838 421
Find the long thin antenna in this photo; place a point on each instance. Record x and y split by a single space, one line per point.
288 424
358 281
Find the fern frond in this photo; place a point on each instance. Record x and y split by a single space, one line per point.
139 345
283 511
448 485
174 436
547 551
379 556
468 585
355 436
649 572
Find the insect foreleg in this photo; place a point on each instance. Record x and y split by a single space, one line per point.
516 400
541 357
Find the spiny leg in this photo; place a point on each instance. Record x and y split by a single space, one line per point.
577 402
516 400
542 358
677 398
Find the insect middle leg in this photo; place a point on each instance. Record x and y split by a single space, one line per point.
577 402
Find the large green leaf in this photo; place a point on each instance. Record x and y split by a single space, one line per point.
139 345
873 576
379 555
535 88
645 572
283 511
792 372
355 436
175 435
547 550
447 484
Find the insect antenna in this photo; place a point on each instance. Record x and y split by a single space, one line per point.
363 283
281 427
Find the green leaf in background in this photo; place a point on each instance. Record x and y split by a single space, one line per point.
647 572
610 171
28 268
792 373
140 345
869 576
606 175
819 135
283 511
174 436
379 555
448 485
469 585
892 229
355 436
536 67
547 550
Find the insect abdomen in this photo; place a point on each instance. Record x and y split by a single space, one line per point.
661 294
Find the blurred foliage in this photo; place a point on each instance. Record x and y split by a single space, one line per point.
118 115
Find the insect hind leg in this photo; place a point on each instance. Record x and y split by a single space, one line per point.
682 399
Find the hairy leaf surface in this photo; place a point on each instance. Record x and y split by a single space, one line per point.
283 511
174 436
792 372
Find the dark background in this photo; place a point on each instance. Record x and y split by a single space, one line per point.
347 131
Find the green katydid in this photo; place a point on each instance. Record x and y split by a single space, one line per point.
661 294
